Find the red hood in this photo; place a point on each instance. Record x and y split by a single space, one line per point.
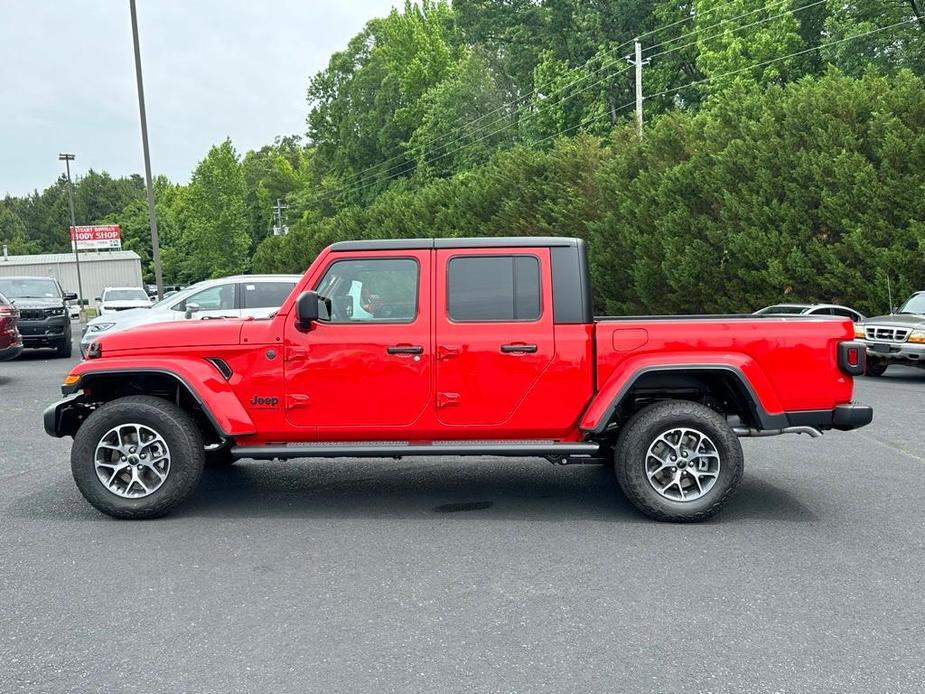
158 336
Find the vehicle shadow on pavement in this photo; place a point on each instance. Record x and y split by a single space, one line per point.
425 490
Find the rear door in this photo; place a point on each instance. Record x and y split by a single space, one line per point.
494 331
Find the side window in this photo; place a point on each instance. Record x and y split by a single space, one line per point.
218 298
493 288
845 313
265 294
378 290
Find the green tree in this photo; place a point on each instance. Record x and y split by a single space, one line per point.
731 48
215 239
899 47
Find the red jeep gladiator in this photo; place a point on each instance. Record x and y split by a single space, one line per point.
462 347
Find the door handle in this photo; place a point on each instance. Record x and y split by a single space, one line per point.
518 348
404 349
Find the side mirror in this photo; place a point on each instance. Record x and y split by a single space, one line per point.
70 296
191 309
98 299
307 310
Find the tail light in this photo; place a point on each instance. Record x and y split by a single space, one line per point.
852 358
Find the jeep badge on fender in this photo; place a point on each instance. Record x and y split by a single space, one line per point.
261 401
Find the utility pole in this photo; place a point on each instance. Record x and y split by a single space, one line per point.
278 228
638 63
152 212
67 159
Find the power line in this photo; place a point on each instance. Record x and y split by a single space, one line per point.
763 8
360 176
411 165
738 28
777 60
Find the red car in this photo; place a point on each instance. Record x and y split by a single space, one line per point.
10 339
425 347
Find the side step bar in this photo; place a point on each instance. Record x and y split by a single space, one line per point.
539 449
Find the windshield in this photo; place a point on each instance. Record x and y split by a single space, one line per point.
125 295
29 288
782 309
914 304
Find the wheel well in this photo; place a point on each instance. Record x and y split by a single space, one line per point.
102 388
720 390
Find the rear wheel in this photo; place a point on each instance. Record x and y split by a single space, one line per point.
875 368
678 461
137 457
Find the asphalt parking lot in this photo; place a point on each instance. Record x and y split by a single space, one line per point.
480 575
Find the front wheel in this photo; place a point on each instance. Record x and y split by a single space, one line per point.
678 461
137 457
63 350
875 368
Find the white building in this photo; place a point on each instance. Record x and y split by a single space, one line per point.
98 270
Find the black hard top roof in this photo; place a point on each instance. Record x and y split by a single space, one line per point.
484 242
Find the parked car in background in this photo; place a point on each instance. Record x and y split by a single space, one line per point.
116 299
811 310
73 310
242 296
897 338
10 339
44 319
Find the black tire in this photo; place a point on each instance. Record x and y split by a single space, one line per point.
178 431
644 428
875 368
219 457
64 350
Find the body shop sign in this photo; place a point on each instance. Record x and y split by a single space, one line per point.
96 237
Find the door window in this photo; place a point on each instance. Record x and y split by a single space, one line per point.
265 294
381 290
218 298
493 288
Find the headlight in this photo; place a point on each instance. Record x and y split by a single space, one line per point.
917 337
99 327
859 331
54 311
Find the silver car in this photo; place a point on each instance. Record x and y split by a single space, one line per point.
242 296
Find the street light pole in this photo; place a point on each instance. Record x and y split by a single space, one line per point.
152 212
67 159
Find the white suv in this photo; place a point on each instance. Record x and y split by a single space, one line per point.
116 299
242 296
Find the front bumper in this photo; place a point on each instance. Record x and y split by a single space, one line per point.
895 351
50 332
64 417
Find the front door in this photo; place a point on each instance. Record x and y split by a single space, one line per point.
364 370
494 332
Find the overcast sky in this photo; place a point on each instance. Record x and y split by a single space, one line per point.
212 69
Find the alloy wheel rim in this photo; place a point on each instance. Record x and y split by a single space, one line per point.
132 460
682 464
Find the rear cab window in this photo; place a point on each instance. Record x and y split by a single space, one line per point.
493 288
